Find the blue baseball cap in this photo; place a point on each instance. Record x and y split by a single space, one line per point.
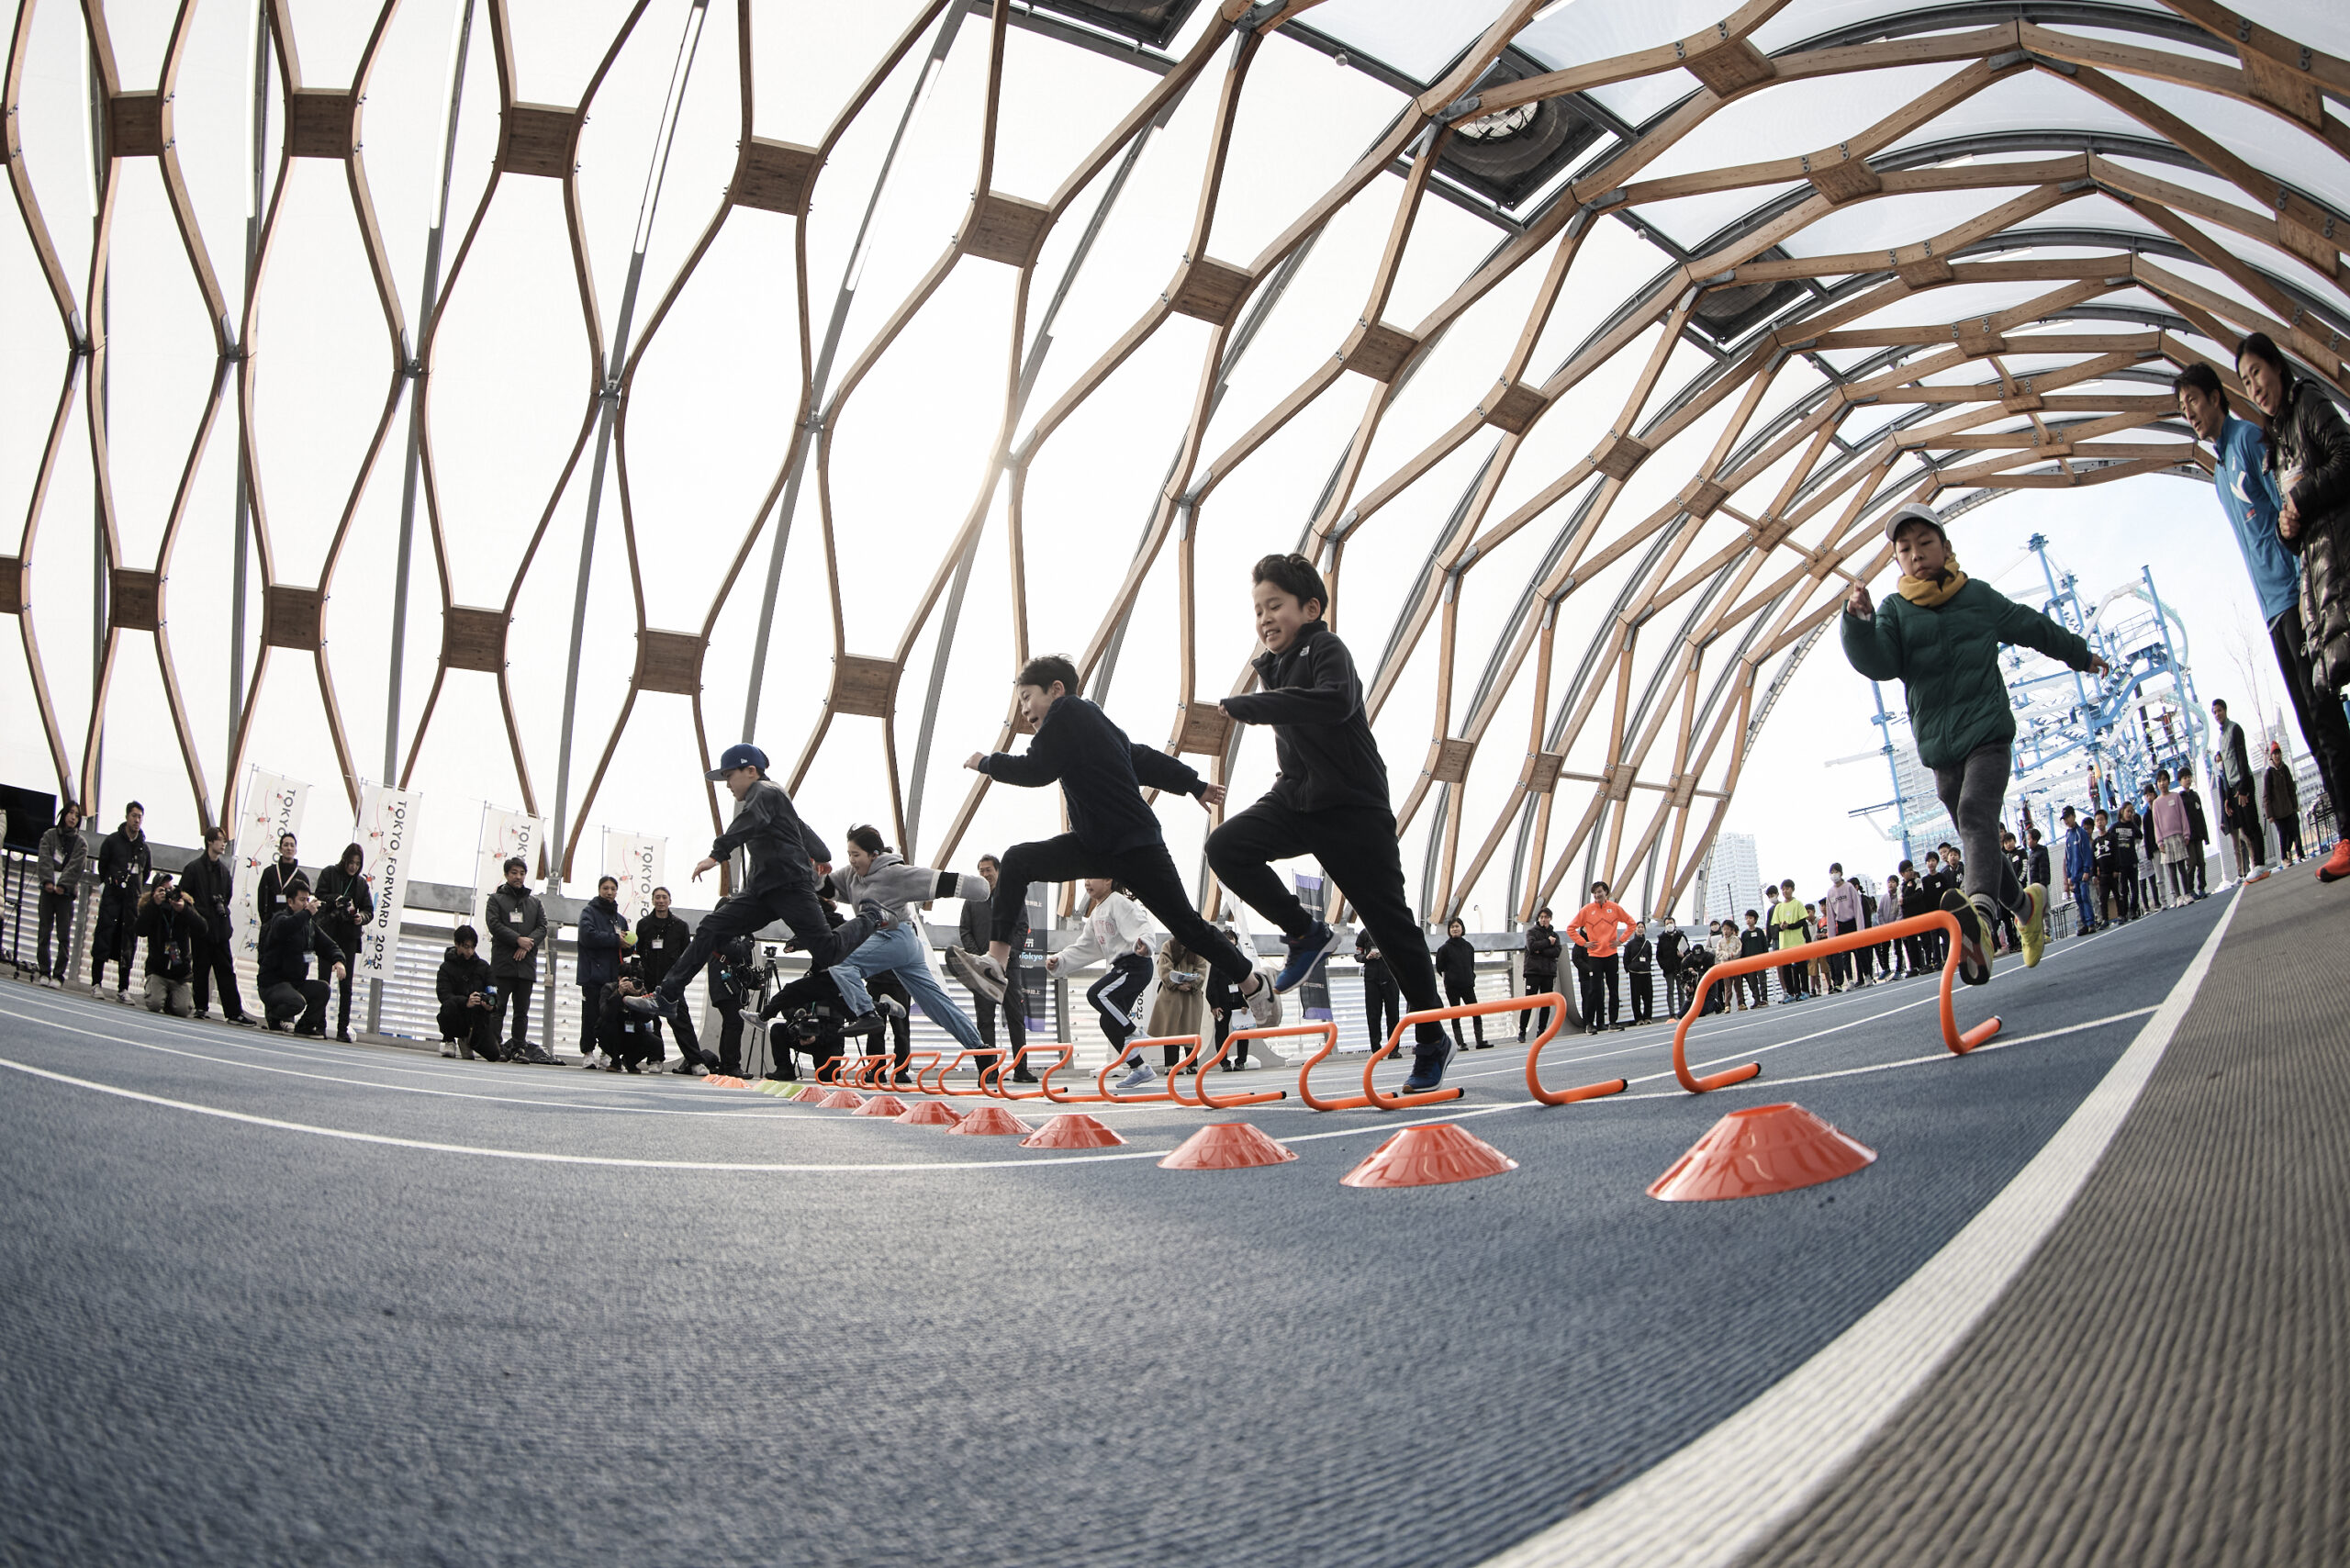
744 755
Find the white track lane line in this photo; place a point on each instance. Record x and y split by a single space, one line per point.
1360 1131
1733 1489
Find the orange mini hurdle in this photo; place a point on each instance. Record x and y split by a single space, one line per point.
1915 925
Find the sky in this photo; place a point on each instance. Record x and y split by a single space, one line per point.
908 459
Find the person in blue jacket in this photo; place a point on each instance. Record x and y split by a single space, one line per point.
2080 869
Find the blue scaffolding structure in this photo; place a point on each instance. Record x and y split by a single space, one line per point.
2104 735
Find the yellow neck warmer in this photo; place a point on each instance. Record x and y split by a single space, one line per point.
1927 593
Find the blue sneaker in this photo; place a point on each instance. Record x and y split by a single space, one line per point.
1304 952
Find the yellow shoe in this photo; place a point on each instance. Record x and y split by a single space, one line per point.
2035 928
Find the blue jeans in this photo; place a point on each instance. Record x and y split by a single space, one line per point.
900 948
2084 899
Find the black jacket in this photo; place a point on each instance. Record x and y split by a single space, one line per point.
459 977
2198 827
1372 958
1670 942
1542 949
123 861
276 881
1322 738
1639 957
511 914
337 887
660 938
1457 962
1752 939
286 946
168 927
1101 772
2308 451
2038 857
976 926
1918 898
211 885
601 925
781 845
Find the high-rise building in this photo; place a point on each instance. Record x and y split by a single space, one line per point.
1733 879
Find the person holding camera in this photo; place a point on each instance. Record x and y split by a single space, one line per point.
346 903
468 1018
287 991
64 851
629 1041
124 866
168 921
209 882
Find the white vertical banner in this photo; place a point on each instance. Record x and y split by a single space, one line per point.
273 808
642 863
389 822
504 835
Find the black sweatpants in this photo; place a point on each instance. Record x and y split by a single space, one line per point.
217 961
1598 986
2319 710
1643 991
1464 996
1537 984
1114 994
57 914
800 910
1015 1027
1382 1002
117 936
1355 847
306 1002
514 997
474 1029
1148 872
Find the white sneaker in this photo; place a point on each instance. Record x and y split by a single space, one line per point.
99 990
1141 1074
448 1050
1264 1002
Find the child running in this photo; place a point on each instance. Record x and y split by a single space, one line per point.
784 853
1941 637
877 874
1113 833
1329 801
1114 930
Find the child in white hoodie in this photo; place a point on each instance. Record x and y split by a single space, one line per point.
1114 929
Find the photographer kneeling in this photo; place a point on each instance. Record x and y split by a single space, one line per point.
287 989
168 921
468 1017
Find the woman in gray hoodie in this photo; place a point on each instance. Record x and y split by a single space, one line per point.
878 872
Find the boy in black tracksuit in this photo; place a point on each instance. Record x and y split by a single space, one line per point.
1101 774
1329 800
784 854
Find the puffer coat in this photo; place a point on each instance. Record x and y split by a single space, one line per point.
2308 451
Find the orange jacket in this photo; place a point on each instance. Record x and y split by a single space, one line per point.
1593 926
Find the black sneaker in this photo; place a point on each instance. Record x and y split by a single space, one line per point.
1304 952
653 1004
1974 938
1428 1061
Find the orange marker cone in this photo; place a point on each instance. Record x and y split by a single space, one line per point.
1226 1146
881 1106
1765 1148
841 1100
1422 1156
1073 1129
720 1080
991 1119
932 1113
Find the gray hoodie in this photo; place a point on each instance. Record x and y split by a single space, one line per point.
895 886
63 855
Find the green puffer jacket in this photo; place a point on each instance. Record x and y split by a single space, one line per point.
1948 657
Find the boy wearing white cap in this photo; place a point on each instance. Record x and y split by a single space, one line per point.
1941 637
